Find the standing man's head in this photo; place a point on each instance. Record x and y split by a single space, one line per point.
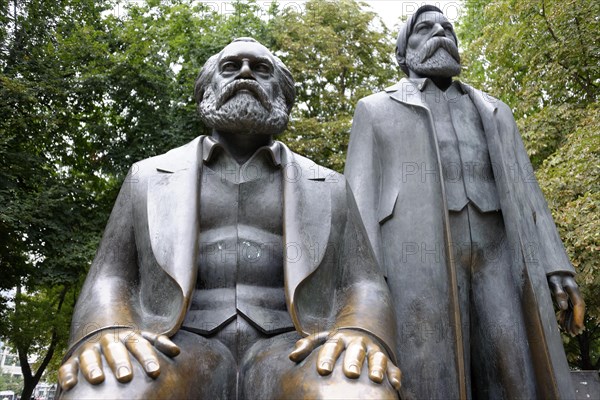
427 45
245 89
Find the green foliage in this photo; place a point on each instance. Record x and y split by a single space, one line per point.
11 382
542 58
337 54
570 179
85 92
324 142
55 188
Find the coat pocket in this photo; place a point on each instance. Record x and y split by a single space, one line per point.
387 204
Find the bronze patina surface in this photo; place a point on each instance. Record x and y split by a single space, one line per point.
461 230
232 267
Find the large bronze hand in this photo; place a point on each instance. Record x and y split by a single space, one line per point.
567 296
115 345
358 346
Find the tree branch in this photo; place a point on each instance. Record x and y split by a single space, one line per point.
548 23
53 340
22 349
583 47
583 81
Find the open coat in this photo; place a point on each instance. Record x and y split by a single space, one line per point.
394 169
145 270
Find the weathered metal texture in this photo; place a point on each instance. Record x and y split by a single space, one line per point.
393 168
145 273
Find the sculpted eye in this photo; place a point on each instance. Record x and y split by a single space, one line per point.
263 68
229 66
424 27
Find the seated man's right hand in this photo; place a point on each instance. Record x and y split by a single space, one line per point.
115 345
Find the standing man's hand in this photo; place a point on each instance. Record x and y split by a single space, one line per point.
572 307
115 345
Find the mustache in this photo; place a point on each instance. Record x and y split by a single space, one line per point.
435 43
250 85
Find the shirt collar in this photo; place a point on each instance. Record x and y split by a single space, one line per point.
421 84
209 145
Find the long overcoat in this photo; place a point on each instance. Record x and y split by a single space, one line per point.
394 169
145 269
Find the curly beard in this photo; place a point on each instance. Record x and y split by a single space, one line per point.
438 58
243 107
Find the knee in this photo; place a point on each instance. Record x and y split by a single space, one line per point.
303 381
204 369
271 374
110 388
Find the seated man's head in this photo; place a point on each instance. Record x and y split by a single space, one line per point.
245 89
427 45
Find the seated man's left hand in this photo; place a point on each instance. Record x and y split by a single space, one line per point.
358 346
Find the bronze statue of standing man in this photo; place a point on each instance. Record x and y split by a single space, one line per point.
461 230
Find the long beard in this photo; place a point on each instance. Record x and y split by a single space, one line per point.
243 112
439 58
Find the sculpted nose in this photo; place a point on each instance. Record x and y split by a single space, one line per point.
438 30
245 71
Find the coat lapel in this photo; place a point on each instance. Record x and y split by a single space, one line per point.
173 211
173 217
306 221
404 92
486 105
407 92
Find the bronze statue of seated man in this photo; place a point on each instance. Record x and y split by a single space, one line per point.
227 261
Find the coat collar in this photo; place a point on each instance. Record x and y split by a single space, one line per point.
485 103
173 216
408 91
423 83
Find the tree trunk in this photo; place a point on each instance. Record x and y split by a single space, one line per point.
28 387
31 380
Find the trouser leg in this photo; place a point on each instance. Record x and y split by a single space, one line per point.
461 254
501 361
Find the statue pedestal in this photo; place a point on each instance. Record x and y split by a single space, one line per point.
586 384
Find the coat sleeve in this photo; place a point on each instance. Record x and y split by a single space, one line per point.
109 292
346 290
549 242
363 172
363 299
